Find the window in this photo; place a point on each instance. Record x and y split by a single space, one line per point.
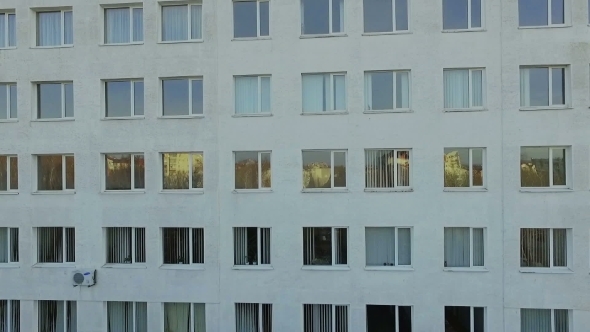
544 320
468 319
387 168
10 315
325 317
464 167
252 94
385 16
464 88
7 30
55 100
125 245
55 28
388 246
124 98
252 170
182 171
127 316
544 247
182 22
544 87
462 14
182 97
8 173
387 90
123 25
544 167
56 245
324 169
190 315
8 101
183 245
251 246
55 173
8 245
464 247
124 171
541 13
251 18
324 92
322 17
57 316
253 317
325 246
389 318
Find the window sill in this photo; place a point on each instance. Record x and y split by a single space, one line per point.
386 33
122 192
9 266
326 113
54 265
50 47
181 41
115 118
8 48
389 268
8 120
464 30
545 190
402 110
325 268
325 35
252 191
468 190
546 270
545 26
121 44
465 269
183 191
194 116
545 108
251 115
251 38
56 192
124 266
8 192
454 110
53 120
253 267
322 190
194 267
389 190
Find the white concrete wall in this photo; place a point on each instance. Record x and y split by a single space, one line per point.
502 129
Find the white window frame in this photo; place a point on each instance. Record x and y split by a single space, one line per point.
261 315
189 4
394 19
66 326
9 189
190 264
396 313
333 310
64 247
485 251
132 110
470 90
130 9
63 101
259 263
472 317
260 187
10 315
190 97
566 16
369 92
133 313
63 173
9 110
484 172
333 246
569 317
7 14
568 170
469 18
133 246
191 314
332 96
104 172
396 187
397 266
9 234
259 112
62 28
567 87
258 36
330 20
568 248
332 188
190 173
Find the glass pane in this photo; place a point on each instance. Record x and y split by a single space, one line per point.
560 247
402 87
118 99
317 169
49 101
118 171
339 170
535 320
477 167
401 15
49 29
197 96
264 18
561 320
175 23
337 16
245 19
138 98
478 319
316 93
265 94
456 88
533 12
341 245
13 102
457 319
322 246
381 318
177 317
557 12
69 99
117 25
70 174
539 86
478 247
404 246
457 247
559 167
558 86
475 13
534 167
49 172
175 97
14 173
246 170
266 170
139 171
68 28
316 17
476 88
197 170
137 24
3 173
196 22
246 94
3 19
339 93
380 169
534 247
381 91
4 107
11 30
175 167
456 166
455 14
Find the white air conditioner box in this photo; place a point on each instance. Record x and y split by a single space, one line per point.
85 277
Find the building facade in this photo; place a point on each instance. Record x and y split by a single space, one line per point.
427 155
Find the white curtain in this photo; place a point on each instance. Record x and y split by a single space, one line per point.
265 94
247 317
3 30
339 92
4 245
140 317
246 94
199 317
68 28
477 88
117 25
478 247
196 22
240 246
120 316
49 29
380 244
404 246
402 87
525 87
457 247
535 320
174 23
137 24
456 85
314 93
177 317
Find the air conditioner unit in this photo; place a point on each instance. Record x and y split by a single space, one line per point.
84 277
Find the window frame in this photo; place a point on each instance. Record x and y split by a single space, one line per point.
190 173
64 171
333 248
130 7
472 316
471 187
551 268
260 308
62 11
396 187
470 28
368 93
189 4
12 313
332 169
397 266
333 314
567 87
397 315
134 249
190 265
394 21
471 107
258 36
471 267
65 303
566 16
568 169
131 81
105 169
10 233
259 265
7 13
9 189
569 317
332 96
260 187
330 21
190 114
64 247
64 117
8 87
133 313
259 111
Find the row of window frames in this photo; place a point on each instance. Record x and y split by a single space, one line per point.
385 247
384 90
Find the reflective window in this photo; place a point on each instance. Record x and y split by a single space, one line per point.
322 16
55 100
182 97
324 169
124 171
55 172
251 18
182 171
124 98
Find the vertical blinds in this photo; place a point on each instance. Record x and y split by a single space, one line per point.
53 246
183 245
325 318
